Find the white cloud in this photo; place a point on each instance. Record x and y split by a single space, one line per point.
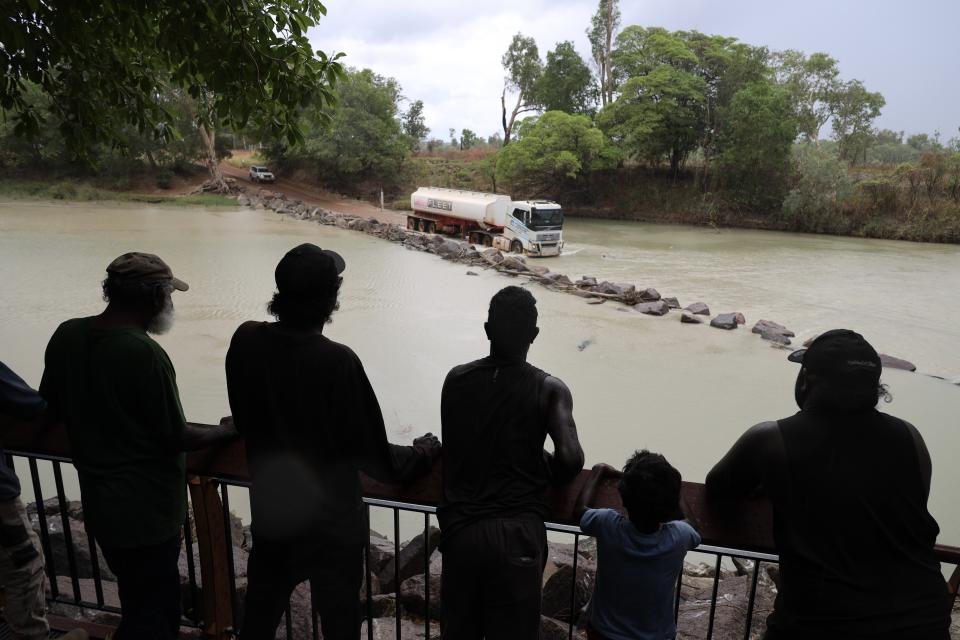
447 52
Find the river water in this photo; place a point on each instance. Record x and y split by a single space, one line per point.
637 381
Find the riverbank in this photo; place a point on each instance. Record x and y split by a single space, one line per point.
84 190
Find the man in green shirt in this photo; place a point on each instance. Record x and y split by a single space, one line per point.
115 389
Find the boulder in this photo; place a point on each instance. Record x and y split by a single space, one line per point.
412 596
264 194
551 629
410 560
698 308
450 249
657 308
472 273
766 326
775 337
690 318
558 580
538 269
381 551
491 255
51 508
890 362
553 277
725 321
243 200
88 590
59 558
514 263
614 288
395 233
673 303
386 629
381 606
649 294
275 204
731 608
587 281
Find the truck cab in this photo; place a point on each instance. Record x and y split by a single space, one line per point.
535 227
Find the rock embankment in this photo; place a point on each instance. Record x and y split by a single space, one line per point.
643 299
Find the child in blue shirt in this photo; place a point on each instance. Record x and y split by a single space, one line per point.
639 557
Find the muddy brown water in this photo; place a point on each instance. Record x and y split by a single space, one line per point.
639 381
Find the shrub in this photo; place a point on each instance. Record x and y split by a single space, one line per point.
164 179
822 189
401 204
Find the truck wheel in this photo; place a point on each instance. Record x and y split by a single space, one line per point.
411 222
431 227
516 246
487 241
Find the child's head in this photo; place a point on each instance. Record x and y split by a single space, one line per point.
650 491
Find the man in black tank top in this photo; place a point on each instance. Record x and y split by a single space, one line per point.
849 488
496 414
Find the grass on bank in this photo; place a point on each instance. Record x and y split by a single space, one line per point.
74 191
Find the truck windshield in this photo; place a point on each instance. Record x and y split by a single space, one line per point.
546 218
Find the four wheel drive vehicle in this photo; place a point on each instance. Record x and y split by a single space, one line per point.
260 174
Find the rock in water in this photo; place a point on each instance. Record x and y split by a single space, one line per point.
890 362
725 321
690 318
649 294
583 345
773 332
657 308
673 303
698 308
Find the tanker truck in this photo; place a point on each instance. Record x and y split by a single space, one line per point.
531 227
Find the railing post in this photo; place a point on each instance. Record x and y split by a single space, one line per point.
217 603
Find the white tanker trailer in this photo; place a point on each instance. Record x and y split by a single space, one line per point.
531 227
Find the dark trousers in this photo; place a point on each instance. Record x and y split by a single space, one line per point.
148 582
275 568
491 582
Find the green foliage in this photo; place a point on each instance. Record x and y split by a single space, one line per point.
822 190
755 145
813 84
657 115
164 179
468 139
566 83
854 111
603 26
522 65
414 124
78 191
361 139
554 152
105 66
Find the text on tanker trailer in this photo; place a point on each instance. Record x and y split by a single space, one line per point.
532 227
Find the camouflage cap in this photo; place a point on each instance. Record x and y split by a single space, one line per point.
146 268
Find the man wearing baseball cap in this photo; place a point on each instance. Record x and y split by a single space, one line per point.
849 488
115 389
311 422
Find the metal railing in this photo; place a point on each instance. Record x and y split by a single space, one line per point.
212 602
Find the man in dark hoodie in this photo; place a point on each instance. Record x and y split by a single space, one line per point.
849 488
311 422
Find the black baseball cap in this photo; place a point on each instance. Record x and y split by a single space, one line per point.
307 270
839 353
136 267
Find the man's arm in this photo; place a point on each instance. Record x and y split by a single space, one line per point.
923 456
739 473
194 438
567 459
589 490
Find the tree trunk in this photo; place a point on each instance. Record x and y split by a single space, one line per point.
213 164
506 128
606 53
603 83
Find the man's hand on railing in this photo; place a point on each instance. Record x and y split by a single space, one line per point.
194 437
430 444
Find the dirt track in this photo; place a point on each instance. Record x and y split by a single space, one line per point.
312 195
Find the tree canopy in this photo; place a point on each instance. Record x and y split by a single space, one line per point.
566 83
105 64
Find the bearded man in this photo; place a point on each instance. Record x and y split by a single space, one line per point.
116 391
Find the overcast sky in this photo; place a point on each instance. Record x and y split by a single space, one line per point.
447 52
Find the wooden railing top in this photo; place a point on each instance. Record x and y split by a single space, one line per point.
744 525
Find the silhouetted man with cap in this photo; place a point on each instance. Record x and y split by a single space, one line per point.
496 414
849 488
115 389
311 422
